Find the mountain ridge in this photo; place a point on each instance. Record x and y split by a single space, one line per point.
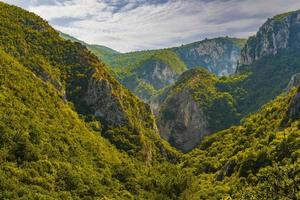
70 130
227 100
138 70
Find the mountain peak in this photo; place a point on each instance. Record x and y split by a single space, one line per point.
279 33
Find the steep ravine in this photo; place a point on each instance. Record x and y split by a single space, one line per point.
182 122
269 61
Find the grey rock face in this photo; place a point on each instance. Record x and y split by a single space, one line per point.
100 99
294 82
276 34
219 55
183 123
294 109
157 73
226 170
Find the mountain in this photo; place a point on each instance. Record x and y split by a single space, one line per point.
224 101
258 159
146 73
280 32
70 130
80 78
193 108
219 55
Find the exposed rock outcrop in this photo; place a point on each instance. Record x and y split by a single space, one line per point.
103 103
294 82
157 73
219 55
183 123
294 109
149 71
278 33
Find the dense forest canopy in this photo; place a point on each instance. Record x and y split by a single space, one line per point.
70 130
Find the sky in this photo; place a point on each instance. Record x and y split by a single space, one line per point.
130 25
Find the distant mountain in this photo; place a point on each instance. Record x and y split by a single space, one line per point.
70 130
219 56
208 104
146 73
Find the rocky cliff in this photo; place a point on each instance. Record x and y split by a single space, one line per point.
222 102
82 81
280 32
182 121
294 82
193 108
146 72
157 73
294 108
219 55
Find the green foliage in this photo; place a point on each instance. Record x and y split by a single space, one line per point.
218 105
52 146
101 52
48 150
68 67
171 59
265 80
256 160
283 16
129 68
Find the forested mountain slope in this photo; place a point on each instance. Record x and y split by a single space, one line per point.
79 77
56 111
259 159
223 101
146 73
70 130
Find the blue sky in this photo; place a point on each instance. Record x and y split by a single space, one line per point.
128 25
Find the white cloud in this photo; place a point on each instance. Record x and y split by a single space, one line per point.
128 25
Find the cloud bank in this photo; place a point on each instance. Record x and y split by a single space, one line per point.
128 25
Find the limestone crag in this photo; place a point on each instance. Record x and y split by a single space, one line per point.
157 73
100 99
219 55
278 33
294 82
182 122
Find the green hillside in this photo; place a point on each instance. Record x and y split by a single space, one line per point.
218 55
258 159
227 100
136 71
130 68
268 61
102 52
266 79
219 106
47 151
51 144
70 130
